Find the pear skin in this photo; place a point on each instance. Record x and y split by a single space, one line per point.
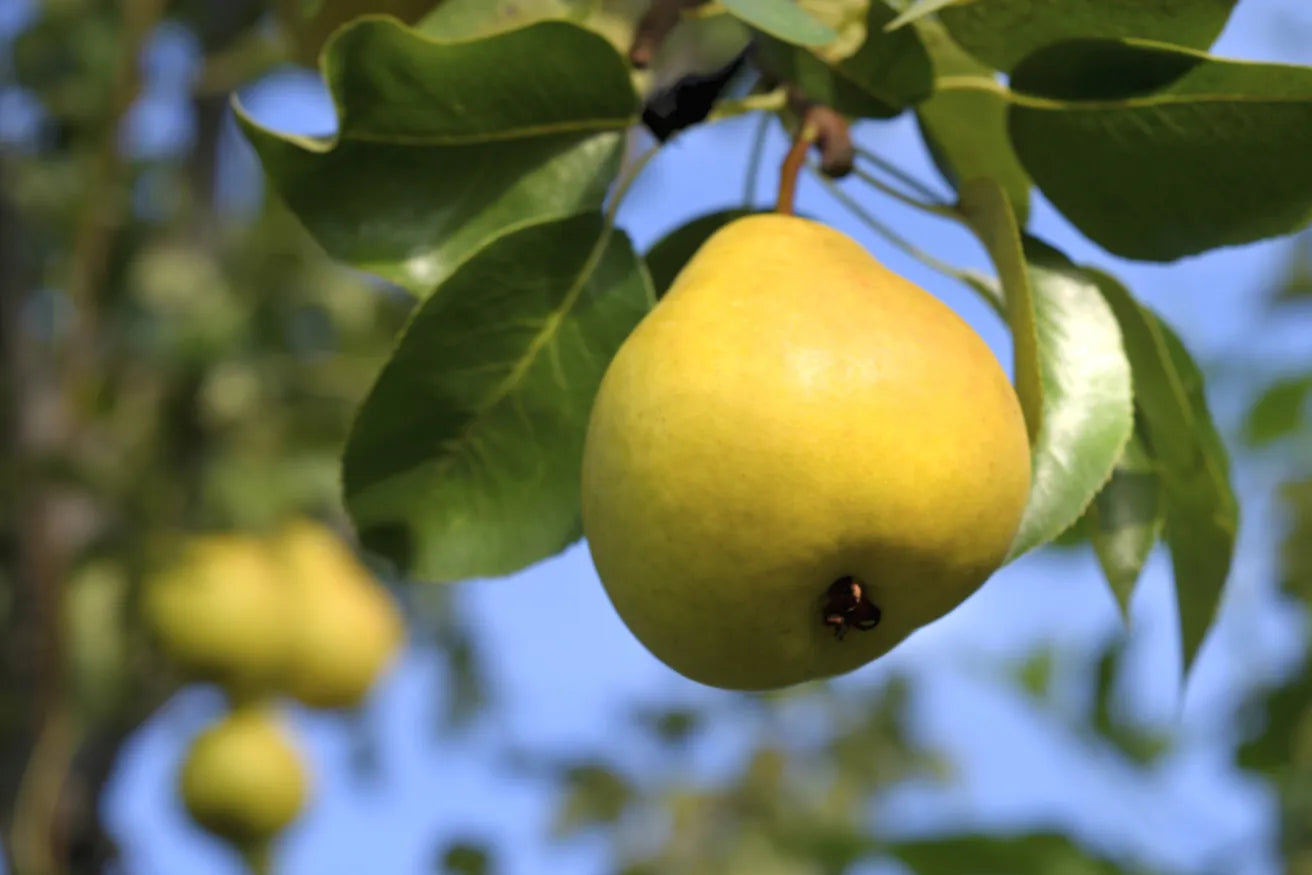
243 779
219 612
347 628
791 418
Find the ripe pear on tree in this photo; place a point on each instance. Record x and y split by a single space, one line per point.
243 780
796 460
220 613
345 628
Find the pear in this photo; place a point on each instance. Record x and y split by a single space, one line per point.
797 459
219 612
347 629
242 779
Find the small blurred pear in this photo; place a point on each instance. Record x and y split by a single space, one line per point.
220 612
243 779
346 628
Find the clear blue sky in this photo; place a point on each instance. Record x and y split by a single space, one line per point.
565 668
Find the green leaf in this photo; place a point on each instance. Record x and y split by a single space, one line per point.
1199 505
465 858
1279 411
889 72
1296 555
669 254
441 147
1281 745
1002 32
1156 152
917 12
1125 519
1032 854
1069 361
309 25
966 131
464 459
782 19
464 19
1297 282
595 795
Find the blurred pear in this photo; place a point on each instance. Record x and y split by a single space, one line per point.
220 613
346 628
243 779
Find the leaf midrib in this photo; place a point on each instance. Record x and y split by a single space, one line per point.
1031 101
455 447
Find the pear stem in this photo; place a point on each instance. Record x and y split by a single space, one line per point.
828 131
792 166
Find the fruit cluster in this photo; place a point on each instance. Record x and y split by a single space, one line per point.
292 615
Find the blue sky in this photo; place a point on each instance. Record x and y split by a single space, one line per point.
565 668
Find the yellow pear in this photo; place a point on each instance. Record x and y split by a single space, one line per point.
243 779
346 628
796 460
219 612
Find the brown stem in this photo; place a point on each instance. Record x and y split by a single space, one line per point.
834 135
655 25
828 131
792 166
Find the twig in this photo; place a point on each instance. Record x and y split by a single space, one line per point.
654 26
627 176
901 175
984 285
754 160
935 207
771 101
792 166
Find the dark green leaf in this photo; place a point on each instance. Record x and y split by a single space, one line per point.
1125 520
782 19
596 795
1033 854
669 254
465 858
441 147
1002 32
1197 499
966 131
1279 411
1297 282
1284 715
889 72
1296 556
464 460
1157 152
1072 375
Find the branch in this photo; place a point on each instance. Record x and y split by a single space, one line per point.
655 25
46 410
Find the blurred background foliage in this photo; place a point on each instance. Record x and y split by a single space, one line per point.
179 356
